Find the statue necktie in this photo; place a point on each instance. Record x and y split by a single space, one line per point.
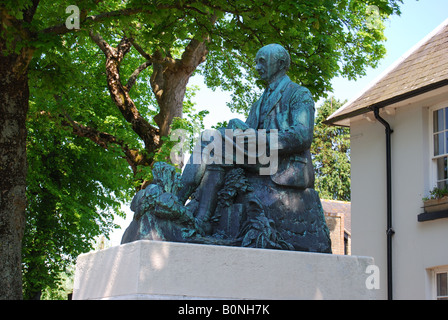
263 106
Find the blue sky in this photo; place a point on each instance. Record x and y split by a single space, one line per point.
417 19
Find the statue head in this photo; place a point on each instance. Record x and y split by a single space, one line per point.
272 62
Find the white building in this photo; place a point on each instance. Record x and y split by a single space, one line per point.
399 152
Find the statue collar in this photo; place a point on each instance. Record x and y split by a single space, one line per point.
274 85
276 90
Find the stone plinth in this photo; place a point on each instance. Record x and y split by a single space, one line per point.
168 270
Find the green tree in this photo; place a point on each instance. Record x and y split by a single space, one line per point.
331 155
325 39
74 189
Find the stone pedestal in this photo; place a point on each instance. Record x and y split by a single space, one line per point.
168 270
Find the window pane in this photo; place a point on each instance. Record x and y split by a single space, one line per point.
438 120
446 141
446 119
442 184
442 289
438 144
442 168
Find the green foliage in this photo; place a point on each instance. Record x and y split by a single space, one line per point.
64 286
331 155
75 186
192 124
74 190
437 193
324 38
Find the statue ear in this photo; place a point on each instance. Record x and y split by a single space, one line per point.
281 64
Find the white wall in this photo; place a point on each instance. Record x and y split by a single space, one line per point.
416 245
368 181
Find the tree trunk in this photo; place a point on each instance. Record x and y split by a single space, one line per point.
169 82
170 92
14 94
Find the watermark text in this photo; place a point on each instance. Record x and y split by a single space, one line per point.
230 146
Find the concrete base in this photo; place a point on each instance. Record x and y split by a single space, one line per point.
168 270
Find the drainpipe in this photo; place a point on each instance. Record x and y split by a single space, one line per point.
389 231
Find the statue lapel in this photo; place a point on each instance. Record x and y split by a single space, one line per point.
275 96
254 120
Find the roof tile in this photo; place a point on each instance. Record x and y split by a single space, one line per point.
425 64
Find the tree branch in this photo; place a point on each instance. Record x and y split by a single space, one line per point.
195 53
87 20
28 14
134 75
155 58
62 29
123 48
134 157
140 50
103 139
120 93
104 46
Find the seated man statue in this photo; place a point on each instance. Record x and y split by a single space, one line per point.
237 203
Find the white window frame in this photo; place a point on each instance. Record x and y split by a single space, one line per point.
432 159
434 272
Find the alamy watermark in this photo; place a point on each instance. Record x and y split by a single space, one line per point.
229 147
373 20
239 145
373 280
72 22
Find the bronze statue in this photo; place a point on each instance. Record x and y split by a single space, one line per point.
235 202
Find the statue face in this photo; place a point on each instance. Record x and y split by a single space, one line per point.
267 66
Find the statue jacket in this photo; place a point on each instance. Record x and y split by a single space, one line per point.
289 108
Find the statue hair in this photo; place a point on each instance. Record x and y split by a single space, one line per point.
280 53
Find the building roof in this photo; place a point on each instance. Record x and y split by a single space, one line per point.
421 69
338 208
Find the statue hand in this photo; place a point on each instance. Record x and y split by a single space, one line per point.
237 124
167 206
